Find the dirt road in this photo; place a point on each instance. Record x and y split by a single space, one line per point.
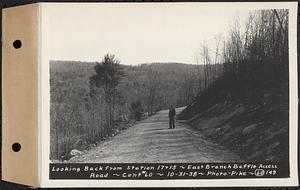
152 141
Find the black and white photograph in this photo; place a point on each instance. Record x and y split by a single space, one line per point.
165 90
169 84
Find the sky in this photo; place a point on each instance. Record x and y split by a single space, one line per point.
135 33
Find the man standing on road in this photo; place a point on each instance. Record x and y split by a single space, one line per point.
172 114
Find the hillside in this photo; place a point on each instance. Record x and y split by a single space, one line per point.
175 84
247 108
79 119
252 121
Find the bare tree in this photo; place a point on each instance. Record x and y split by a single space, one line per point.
108 76
153 84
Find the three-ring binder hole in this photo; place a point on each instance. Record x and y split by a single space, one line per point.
16 147
17 44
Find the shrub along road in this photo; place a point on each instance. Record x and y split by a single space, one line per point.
152 141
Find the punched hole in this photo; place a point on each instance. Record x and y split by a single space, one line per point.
17 44
16 147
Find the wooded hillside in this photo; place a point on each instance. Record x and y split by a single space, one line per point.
82 114
247 108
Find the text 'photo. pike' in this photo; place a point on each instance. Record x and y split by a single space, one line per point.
208 86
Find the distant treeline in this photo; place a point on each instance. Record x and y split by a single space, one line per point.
91 101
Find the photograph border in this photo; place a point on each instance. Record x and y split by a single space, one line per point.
12 3
44 119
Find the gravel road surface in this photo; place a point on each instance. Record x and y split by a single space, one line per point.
151 141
